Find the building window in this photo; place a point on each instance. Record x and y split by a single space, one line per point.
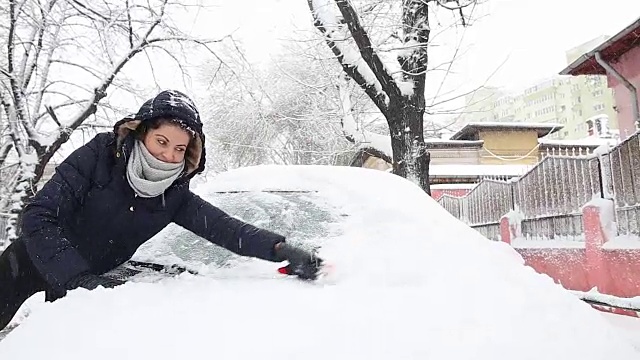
595 79
598 107
597 93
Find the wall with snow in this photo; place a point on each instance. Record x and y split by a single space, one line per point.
603 261
629 66
574 218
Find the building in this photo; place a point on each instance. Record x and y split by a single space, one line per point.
566 100
574 53
499 150
619 59
505 143
480 104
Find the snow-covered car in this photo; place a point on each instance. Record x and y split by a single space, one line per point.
407 280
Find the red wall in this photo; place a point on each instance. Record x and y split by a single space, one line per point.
566 266
437 193
629 66
621 274
612 271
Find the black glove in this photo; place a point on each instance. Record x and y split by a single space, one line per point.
91 281
302 263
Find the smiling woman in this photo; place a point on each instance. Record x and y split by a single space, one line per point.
166 140
116 192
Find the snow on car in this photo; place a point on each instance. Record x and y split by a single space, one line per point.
408 281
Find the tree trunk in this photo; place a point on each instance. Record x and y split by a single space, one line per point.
400 99
410 155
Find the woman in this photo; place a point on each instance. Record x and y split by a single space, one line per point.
114 193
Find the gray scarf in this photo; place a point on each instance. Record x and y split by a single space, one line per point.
148 176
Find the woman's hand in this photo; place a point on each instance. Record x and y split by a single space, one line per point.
302 263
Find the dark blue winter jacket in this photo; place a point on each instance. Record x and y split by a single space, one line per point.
87 218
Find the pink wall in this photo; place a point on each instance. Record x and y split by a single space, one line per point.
565 266
621 273
437 193
612 271
629 66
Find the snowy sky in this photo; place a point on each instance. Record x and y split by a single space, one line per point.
523 40
517 41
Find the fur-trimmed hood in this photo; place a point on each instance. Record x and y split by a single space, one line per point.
178 107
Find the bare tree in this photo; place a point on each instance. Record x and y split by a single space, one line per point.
392 77
59 60
287 113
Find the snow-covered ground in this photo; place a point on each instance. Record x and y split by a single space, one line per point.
409 281
628 327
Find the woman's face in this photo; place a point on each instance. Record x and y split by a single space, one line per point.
167 143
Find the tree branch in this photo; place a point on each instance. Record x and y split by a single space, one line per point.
27 50
95 13
44 75
351 129
13 126
92 72
17 109
56 107
100 91
26 77
129 25
444 4
53 115
4 151
372 59
379 98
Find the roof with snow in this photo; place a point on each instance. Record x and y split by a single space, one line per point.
610 50
466 171
471 129
442 143
589 142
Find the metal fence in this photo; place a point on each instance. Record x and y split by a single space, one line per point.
483 206
621 182
550 196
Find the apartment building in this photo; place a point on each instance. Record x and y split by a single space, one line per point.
576 102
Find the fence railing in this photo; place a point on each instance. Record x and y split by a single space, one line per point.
550 196
622 183
483 206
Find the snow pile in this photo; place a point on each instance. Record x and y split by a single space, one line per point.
410 282
624 303
629 326
607 213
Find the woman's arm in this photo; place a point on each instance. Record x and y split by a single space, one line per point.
213 224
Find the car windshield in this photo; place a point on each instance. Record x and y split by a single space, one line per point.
304 218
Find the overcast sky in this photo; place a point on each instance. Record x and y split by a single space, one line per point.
519 41
510 44
529 38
